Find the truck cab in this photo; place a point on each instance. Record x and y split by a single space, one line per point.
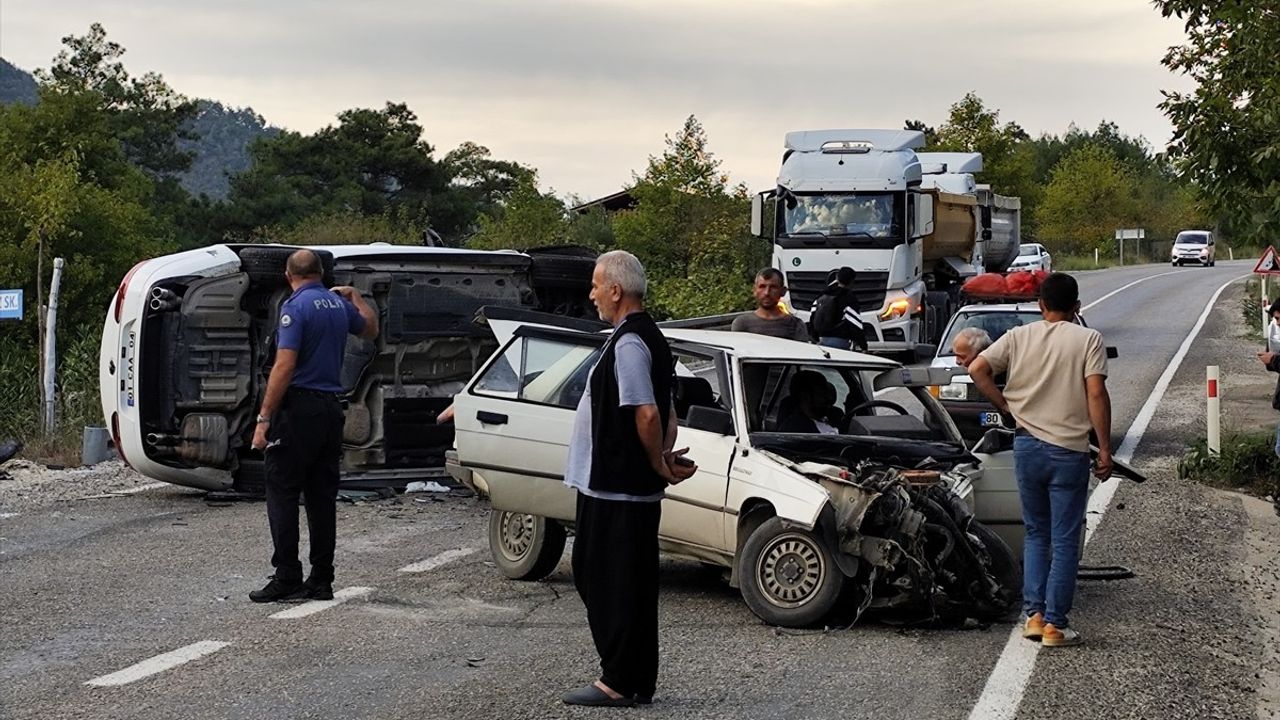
912 225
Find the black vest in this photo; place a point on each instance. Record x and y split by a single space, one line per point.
619 462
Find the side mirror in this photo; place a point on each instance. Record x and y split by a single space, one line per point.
1112 352
710 419
757 215
923 220
995 440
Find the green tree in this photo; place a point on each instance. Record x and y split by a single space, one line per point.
1227 130
1090 194
1008 161
689 228
528 219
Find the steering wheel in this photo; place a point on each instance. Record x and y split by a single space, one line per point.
878 403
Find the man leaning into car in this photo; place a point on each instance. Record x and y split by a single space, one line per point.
620 461
300 425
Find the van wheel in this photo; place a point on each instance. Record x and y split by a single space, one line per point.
524 546
789 577
265 265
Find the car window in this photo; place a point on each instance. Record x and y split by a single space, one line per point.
699 382
769 399
996 324
551 372
1192 238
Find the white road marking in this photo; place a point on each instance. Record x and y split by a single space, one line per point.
6 516
314 606
432 563
1008 680
1122 288
159 663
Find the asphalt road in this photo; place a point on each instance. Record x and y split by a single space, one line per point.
91 587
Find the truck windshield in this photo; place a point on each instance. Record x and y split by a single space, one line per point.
875 216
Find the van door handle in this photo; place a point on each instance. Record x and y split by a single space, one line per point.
490 418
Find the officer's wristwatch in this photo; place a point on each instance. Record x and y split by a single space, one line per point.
264 420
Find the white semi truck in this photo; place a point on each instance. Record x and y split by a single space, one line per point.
913 225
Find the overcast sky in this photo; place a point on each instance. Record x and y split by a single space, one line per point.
584 90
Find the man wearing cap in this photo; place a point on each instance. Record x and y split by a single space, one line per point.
299 426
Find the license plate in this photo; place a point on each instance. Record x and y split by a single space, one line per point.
990 419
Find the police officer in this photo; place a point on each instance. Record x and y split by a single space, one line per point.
300 425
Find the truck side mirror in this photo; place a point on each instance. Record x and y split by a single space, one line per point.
757 215
923 221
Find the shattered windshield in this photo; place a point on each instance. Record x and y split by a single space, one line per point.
873 215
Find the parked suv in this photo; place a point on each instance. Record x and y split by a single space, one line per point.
188 342
1193 246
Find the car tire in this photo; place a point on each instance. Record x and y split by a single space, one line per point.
265 265
789 576
524 546
1004 567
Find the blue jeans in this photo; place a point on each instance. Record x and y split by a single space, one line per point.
834 342
1053 483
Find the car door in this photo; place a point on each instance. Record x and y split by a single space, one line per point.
694 510
514 419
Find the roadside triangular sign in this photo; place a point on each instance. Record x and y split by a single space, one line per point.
1268 264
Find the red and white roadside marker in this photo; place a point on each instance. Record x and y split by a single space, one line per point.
1214 423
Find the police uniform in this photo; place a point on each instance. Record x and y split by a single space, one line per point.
304 439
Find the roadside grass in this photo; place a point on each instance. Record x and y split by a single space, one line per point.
1078 263
1247 463
1250 311
77 402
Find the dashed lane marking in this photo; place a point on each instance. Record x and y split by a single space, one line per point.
1008 680
159 663
314 606
432 563
1122 288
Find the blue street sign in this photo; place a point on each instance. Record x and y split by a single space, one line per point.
10 304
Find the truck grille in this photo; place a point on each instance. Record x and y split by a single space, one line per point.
805 287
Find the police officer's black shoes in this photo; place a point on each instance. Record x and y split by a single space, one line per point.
317 590
277 591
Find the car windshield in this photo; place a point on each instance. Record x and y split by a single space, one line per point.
996 323
1028 250
873 215
1186 238
839 400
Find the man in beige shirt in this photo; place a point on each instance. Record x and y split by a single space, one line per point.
1056 390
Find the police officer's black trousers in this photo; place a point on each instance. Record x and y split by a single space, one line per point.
615 568
304 443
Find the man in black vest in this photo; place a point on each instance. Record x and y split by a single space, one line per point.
620 462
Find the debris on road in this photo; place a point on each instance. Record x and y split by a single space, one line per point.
421 487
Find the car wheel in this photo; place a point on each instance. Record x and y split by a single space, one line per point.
524 546
1002 565
789 577
265 265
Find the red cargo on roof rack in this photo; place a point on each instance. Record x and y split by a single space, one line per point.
1011 288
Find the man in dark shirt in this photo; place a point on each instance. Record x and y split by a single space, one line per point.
769 317
300 424
620 462
835 319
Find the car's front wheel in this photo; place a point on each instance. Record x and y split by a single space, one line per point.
524 546
789 577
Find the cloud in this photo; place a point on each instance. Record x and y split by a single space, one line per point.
585 90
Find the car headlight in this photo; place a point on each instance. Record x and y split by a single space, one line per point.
954 391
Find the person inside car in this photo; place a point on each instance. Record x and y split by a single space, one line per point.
811 400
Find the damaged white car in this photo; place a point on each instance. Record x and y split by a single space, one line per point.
188 342
879 497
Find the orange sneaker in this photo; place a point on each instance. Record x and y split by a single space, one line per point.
1034 627
1055 637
